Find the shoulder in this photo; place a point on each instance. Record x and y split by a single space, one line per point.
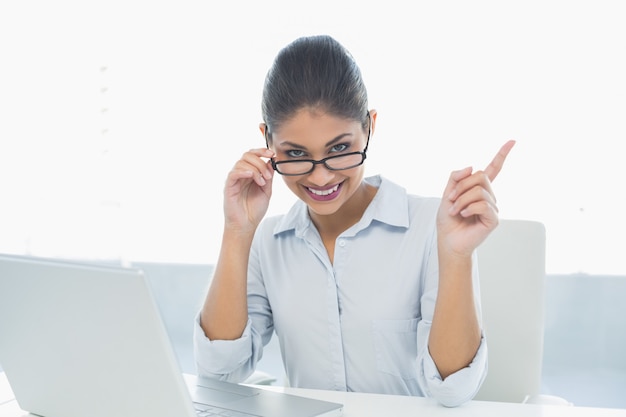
395 207
293 220
416 203
270 224
423 203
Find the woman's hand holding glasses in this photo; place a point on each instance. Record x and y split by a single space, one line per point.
248 190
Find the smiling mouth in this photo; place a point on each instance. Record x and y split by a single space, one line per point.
323 192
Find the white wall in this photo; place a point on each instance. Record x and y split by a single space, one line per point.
120 119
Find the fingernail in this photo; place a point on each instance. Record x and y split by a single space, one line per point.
452 195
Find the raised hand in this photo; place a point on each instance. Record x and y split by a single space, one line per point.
248 190
468 210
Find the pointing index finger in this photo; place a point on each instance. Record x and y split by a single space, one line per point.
494 167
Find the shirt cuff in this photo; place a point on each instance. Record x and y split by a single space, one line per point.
460 386
222 359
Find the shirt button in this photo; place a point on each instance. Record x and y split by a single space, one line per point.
342 243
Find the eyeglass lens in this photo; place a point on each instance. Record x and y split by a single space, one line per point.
338 162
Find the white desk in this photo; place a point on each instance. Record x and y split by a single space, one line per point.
376 405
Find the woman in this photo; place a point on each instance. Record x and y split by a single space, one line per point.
367 288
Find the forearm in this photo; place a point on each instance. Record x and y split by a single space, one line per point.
455 332
225 311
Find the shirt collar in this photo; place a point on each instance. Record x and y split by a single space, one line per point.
389 206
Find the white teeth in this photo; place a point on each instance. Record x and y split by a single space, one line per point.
324 192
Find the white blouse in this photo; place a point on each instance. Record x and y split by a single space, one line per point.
358 324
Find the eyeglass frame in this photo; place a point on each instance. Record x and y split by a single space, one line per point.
321 161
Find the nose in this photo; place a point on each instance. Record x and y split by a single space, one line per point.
320 175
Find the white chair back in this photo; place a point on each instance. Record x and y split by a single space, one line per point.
511 265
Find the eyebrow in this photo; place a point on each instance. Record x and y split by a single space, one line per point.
329 143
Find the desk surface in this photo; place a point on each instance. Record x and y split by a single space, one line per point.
366 405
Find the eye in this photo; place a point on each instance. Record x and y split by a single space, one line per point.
339 147
295 153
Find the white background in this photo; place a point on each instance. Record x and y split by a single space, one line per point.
119 120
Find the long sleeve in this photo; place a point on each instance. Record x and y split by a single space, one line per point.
463 385
235 360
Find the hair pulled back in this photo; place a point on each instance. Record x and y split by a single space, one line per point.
316 72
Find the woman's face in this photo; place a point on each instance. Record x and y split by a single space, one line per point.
313 134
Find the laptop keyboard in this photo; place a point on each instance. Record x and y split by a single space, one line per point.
203 410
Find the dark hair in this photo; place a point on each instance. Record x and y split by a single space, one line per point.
314 71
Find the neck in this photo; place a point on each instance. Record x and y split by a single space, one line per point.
348 215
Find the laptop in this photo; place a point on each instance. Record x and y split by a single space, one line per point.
80 339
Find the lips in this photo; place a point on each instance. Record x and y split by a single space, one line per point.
324 194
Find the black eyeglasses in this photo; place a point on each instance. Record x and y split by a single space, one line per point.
332 163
